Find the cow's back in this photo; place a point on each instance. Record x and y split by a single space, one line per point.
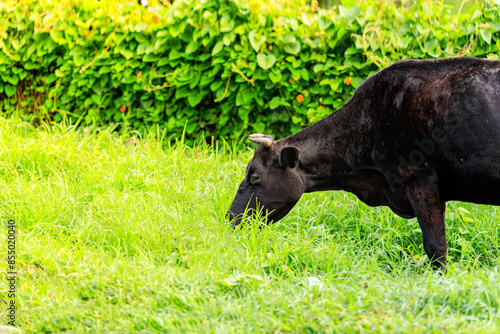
448 113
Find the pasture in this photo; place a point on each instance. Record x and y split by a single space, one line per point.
118 233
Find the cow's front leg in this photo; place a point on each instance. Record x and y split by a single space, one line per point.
424 198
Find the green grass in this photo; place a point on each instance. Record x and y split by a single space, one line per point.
120 234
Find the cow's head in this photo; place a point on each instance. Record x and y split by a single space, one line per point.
273 182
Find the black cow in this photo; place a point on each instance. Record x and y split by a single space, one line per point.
415 135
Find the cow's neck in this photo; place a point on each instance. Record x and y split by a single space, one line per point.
334 150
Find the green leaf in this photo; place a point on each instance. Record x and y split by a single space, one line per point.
141 49
195 79
245 96
77 51
402 42
275 77
348 3
23 75
182 92
96 98
162 61
13 79
266 62
430 44
174 54
192 47
325 81
151 58
243 6
356 82
226 24
10 90
228 38
486 35
194 99
293 48
347 13
289 38
495 26
318 67
256 42
324 23
217 48
162 33
328 100
17 44
127 54
276 102
304 73
56 35
305 19
205 80
477 13
216 85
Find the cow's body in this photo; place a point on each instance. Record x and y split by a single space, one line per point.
414 136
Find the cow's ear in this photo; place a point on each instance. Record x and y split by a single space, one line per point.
289 157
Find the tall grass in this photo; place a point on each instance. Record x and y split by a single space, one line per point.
123 234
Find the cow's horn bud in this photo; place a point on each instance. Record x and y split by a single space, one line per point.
266 140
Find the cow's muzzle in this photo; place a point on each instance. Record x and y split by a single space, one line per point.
236 219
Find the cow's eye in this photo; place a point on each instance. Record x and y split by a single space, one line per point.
254 178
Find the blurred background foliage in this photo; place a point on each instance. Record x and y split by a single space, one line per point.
218 68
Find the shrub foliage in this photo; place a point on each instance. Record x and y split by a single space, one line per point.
219 67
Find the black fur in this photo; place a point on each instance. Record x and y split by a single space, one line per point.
415 135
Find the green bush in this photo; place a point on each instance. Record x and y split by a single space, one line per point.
219 67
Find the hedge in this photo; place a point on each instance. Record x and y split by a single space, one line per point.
221 68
